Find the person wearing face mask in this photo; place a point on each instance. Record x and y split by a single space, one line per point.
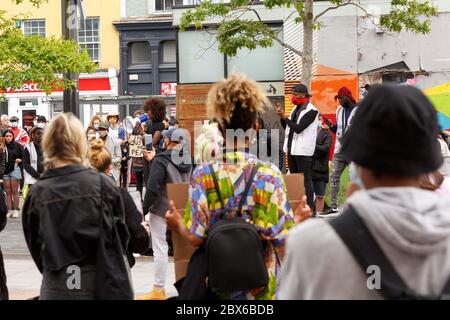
95 123
90 134
33 161
344 117
113 147
41 122
20 135
320 168
301 136
392 223
12 175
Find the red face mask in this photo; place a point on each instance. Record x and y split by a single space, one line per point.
299 101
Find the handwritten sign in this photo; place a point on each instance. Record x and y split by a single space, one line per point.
136 146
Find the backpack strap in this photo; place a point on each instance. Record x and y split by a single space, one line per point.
243 195
366 251
216 185
248 187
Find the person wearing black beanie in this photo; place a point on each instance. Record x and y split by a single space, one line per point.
392 240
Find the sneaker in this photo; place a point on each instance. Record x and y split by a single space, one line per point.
16 214
156 294
330 211
10 213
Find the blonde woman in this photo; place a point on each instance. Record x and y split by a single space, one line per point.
74 223
101 159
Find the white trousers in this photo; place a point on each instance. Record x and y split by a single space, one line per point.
158 227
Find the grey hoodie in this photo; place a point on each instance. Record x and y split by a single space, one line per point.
162 172
412 227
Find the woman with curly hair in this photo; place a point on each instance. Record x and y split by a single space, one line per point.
95 123
156 111
234 103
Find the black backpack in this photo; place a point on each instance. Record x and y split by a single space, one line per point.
234 248
366 251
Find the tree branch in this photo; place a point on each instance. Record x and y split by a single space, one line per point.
331 8
351 3
283 44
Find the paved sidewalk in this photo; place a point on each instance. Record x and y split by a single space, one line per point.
24 279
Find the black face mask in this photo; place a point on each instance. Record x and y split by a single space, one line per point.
346 104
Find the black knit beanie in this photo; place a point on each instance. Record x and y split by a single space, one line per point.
394 132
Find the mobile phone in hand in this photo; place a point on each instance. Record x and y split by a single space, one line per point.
148 138
327 121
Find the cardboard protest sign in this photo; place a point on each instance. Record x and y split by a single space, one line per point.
295 188
136 146
182 249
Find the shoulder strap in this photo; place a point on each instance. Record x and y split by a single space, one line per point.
216 185
244 194
358 239
367 252
248 187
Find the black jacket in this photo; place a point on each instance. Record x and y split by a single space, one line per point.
139 238
2 164
3 212
75 216
14 152
320 168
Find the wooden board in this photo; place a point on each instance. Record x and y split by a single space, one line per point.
182 249
295 188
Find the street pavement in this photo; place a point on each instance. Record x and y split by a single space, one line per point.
24 279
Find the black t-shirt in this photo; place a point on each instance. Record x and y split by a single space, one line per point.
152 128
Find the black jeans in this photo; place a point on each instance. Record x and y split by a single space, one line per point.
282 160
139 180
123 177
302 164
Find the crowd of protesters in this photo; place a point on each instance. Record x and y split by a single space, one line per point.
78 210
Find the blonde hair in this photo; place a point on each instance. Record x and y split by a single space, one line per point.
235 91
64 140
99 156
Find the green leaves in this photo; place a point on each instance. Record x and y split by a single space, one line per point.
409 14
206 10
236 34
36 59
33 2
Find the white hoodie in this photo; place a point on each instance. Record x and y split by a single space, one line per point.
412 227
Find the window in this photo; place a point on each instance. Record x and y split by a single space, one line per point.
169 52
140 53
250 62
29 102
88 37
200 60
34 28
166 5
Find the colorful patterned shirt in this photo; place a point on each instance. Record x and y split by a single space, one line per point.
267 205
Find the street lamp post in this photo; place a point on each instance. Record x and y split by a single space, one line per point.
70 32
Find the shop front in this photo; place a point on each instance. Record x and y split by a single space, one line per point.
30 100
